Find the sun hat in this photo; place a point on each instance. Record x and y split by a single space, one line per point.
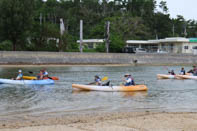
127 74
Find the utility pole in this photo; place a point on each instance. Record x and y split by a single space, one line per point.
40 18
173 30
81 36
156 35
62 30
185 31
107 36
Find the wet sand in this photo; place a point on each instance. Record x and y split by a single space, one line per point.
129 121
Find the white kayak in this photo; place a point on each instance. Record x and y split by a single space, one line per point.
163 76
27 82
187 77
110 88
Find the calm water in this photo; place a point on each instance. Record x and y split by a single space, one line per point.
163 95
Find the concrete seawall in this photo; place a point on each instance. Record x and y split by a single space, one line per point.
23 57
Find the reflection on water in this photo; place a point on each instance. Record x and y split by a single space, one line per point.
163 95
123 94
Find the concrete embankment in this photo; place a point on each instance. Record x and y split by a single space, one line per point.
24 57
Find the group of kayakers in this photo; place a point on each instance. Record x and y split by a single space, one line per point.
183 72
41 75
128 81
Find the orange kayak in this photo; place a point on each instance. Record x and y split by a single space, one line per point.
110 88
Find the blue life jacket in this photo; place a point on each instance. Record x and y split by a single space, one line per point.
130 83
20 76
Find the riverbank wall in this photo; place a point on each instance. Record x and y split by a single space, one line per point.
61 58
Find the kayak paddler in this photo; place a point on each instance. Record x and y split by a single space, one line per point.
171 72
19 76
128 80
45 73
192 70
182 71
40 75
97 81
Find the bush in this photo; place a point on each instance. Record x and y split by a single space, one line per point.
101 48
6 46
116 44
89 50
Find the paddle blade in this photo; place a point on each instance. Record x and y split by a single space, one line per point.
52 78
55 78
104 78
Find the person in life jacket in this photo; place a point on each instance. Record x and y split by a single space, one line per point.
171 72
192 70
40 75
97 80
19 76
128 80
182 71
45 73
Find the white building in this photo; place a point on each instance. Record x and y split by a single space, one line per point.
91 43
170 45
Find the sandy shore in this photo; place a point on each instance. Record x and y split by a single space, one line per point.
130 121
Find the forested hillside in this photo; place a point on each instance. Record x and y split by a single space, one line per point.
28 24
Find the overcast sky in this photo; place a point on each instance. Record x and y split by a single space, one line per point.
186 8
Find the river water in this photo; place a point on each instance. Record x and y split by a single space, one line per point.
163 95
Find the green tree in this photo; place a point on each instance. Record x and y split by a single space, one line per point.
163 6
16 20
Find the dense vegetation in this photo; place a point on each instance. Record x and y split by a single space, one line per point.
28 24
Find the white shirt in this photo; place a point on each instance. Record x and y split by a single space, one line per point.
45 73
128 80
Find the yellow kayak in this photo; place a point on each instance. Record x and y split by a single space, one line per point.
110 88
29 77
34 78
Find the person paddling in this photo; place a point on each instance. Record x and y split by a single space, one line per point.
97 80
19 76
40 75
128 80
171 72
45 73
182 71
192 70
195 71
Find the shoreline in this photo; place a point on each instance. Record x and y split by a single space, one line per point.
71 58
107 65
137 121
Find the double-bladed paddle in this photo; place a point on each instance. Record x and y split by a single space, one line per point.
52 78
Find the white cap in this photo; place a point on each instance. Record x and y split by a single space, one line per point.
19 70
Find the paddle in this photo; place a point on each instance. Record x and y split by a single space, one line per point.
171 72
103 79
30 72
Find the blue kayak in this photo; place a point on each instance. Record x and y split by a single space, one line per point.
27 82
